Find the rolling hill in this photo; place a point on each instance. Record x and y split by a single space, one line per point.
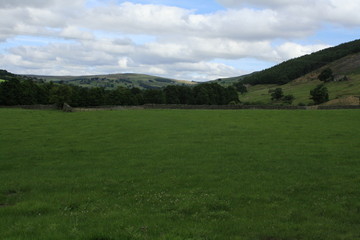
112 81
298 76
344 90
230 81
292 69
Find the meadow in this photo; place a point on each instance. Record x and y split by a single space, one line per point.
180 174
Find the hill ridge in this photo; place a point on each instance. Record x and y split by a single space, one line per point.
292 69
114 80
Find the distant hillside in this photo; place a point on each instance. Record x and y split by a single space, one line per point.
5 75
112 81
298 67
229 81
343 91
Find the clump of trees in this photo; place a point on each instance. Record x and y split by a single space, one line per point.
326 75
240 87
21 91
278 95
319 94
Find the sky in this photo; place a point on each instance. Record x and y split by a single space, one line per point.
197 40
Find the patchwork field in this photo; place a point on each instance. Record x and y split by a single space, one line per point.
180 174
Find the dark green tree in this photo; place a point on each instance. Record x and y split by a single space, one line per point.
137 96
30 92
178 94
172 94
240 87
154 96
231 95
201 95
11 92
277 94
60 94
319 94
326 75
96 96
288 99
120 96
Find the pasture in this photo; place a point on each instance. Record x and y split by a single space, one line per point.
180 174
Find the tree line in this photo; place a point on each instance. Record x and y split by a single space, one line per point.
18 91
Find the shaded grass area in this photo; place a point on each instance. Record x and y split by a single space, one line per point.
180 174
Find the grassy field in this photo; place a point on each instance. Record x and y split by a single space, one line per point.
180 174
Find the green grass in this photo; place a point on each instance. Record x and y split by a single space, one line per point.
180 174
2 80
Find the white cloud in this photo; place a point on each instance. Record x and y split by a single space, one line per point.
75 33
136 18
345 12
263 3
38 3
123 63
291 50
164 21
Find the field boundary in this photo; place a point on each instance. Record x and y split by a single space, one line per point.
185 107
34 107
215 107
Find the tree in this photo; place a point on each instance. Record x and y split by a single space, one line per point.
231 95
319 94
213 94
288 99
154 96
60 94
178 94
277 94
240 87
201 95
11 92
326 75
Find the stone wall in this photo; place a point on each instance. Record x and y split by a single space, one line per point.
34 107
68 108
222 107
338 107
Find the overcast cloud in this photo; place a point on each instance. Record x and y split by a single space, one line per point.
76 37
